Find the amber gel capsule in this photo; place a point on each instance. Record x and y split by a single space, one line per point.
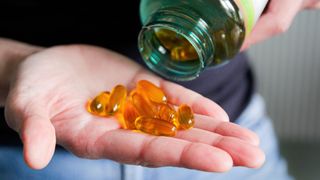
130 114
117 98
151 91
185 117
167 112
180 49
180 53
168 39
155 126
143 105
99 104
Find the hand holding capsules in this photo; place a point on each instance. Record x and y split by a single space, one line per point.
46 105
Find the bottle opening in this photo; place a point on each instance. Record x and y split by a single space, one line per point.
170 53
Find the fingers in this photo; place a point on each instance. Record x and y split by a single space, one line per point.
38 137
225 129
201 105
137 148
242 152
276 20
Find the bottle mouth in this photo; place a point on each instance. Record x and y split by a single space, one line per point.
171 52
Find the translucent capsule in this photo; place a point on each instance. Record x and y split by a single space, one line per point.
151 91
183 53
132 92
130 114
185 117
117 99
145 109
155 126
143 105
167 38
98 106
180 48
167 112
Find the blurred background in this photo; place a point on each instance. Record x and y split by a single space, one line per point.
288 71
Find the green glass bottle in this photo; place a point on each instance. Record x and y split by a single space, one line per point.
180 38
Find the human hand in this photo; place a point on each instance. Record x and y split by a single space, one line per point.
46 105
277 19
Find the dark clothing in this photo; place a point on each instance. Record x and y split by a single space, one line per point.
114 26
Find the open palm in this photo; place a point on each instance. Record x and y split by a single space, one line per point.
46 105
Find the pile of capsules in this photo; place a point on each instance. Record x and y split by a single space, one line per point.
145 109
180 49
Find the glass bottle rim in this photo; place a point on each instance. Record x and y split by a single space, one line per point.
176 29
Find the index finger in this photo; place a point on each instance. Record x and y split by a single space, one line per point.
178 94
155 151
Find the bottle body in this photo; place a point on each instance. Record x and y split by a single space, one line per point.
179 39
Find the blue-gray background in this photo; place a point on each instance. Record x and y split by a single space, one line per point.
288 73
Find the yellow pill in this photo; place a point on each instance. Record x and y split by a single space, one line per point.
185 117
143 105
183 53
155 126
117 99
98 106
167 112
179 47
167 38
130 114
151 91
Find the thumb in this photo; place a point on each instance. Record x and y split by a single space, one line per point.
36 132
38 137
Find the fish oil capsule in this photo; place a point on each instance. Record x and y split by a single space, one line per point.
167 112
180 49
183 53
117 98
155 126
130 114
185 117
150 90
167 38
98 106
143 105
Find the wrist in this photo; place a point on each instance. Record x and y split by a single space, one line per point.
12 53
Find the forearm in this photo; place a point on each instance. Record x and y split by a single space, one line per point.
11 54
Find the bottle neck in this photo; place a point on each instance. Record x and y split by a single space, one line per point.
187 26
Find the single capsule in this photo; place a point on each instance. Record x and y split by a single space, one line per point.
132 92
155 126
117 98
144 106
98 106
183 53
167 112
130 114
167 38
151 91
185 117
